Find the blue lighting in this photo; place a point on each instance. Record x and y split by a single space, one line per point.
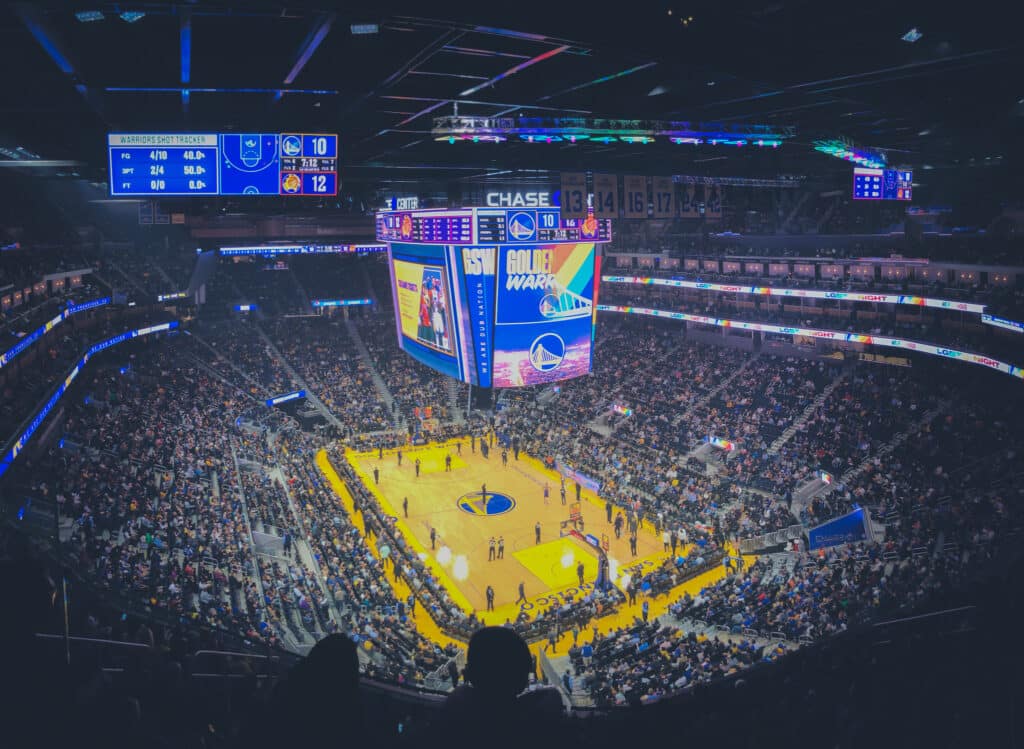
186 50
49 45
131 16
87 16
308 49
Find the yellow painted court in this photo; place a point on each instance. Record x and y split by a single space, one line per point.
451 502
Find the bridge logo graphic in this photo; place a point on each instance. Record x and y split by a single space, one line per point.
561 304
547 352
522 226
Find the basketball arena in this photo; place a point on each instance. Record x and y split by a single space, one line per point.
478 375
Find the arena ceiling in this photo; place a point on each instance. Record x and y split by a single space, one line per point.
826 69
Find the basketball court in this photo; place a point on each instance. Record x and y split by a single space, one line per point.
464 520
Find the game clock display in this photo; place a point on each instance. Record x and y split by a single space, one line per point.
148 164
882 184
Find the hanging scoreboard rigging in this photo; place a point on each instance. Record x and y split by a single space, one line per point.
153 164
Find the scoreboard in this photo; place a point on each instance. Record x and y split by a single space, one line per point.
882 184
496 297
489 226
154 164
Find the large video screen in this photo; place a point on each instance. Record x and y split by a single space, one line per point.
421 285
544 314
154 164
882 184
496 316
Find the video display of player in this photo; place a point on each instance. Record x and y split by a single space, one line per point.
424 305
543 327
421 287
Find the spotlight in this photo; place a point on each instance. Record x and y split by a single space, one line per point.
460 569
364 28
912 36
567 559
444 555
131 16
87 16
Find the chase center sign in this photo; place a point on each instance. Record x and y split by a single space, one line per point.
501 199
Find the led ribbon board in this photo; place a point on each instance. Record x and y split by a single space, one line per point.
171 297
1002 322
340 302
278 400
843 296
41 415
35 335
490 226
832 335
154 164
270 250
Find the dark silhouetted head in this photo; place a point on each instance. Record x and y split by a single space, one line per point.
498 663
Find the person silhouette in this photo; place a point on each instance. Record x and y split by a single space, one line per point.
494 704
319 695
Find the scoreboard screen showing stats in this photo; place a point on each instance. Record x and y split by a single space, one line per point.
152 164
482 296
882 184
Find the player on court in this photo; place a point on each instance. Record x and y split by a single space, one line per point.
546 493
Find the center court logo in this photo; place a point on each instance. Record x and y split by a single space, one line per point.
496 503
547 352
522 226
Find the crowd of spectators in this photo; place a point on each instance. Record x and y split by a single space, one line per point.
412 385
324 354
648 661
163 516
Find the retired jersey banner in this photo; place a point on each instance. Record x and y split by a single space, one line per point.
713 202
688 201
574 195
606 195
663 197
634 189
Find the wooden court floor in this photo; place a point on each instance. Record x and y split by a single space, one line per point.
450 503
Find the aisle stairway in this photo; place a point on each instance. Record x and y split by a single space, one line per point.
455 411
801 420
227 361
172 285
311 396
378 382
714 391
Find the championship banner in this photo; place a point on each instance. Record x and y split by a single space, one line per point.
574 195
847 529
634 190
663 197
606 196
713 202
